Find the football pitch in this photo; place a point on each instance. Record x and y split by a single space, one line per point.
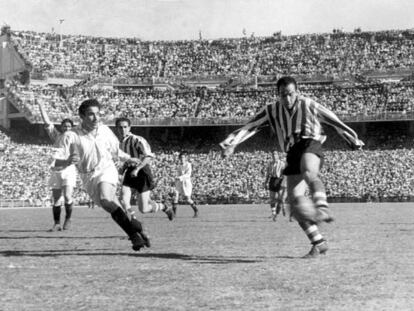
232 257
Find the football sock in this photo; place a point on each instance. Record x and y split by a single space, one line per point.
122 220
194 207
312 232
174 207
318 193
273 208
68 210
136 224
56 213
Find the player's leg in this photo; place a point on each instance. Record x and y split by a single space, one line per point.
190 201
309 166
296 187
272 199
110 203
126 194
67 191
175 200
56 209
146 205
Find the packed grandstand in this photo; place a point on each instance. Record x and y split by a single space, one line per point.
186 95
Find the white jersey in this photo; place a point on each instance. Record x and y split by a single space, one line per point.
183 180
98 151
60 176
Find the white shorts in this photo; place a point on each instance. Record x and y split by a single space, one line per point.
184 187
91 181
62 178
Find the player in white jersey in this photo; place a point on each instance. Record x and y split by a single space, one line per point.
94 148
276 184
62 179
183 185
138 177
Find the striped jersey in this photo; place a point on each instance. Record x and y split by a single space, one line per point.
136 146
303 121
275 169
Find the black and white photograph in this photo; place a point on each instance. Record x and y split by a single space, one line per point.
207 155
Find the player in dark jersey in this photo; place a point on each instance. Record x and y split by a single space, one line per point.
276 184
139 177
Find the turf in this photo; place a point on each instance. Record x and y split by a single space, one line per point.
230 258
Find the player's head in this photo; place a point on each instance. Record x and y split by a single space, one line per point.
66 125
288 91
89 112
123 127
183 156
275 155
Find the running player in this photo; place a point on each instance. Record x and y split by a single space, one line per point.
138 177
62 179
94 149
296 121
183 183
276 184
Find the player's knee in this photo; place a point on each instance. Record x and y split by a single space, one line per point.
310 175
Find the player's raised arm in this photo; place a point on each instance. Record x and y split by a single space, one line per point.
348 134
67 149
43 112
240 135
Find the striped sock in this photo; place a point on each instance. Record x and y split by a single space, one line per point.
156 207
312 232
318 193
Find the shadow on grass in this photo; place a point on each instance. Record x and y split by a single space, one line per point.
174 256
57 237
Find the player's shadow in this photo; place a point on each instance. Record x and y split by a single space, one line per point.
173 256
56 237
21 231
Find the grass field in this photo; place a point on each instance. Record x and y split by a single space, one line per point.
230 258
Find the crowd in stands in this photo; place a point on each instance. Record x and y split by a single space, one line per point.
383 170
367 99
331 54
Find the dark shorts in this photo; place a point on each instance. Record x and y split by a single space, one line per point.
296 152
144 181
275 184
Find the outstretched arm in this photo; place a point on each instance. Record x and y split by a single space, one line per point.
348 134
248 130
50 128
43 112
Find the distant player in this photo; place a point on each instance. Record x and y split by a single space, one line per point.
276 184
183 185
296 121
62 179
94 149
138 177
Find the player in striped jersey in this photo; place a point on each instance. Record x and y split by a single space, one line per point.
183 184
296 121
276 184
138 177
62 180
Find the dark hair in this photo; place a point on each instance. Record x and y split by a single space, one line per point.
86 104
123 119
285 81
66 121
183 153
